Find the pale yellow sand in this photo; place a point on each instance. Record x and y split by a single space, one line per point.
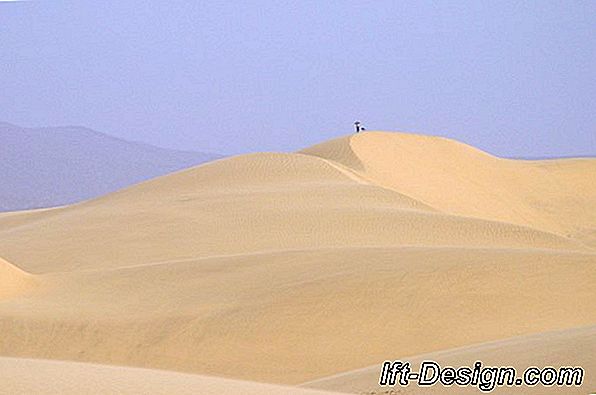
43 377
289 317
269 202
572 347
552 195
13 281
286 268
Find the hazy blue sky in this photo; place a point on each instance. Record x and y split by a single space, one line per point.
514 78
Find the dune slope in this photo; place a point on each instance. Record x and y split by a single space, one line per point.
13 280
246 204
71 378
289 317
572 347
552 195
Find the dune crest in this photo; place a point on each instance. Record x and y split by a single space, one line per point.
13 281
551 195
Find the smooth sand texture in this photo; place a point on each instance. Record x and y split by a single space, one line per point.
13 281
247 204
552 195
290 317
285 268
43 377
572 347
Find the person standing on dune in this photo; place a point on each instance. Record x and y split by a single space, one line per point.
359 127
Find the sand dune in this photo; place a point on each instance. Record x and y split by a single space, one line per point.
247 204
572 347
43 377
285 268
289 317
552 195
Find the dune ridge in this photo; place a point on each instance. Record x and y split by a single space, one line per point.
552 195
13 281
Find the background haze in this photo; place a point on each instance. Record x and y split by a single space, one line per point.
512 78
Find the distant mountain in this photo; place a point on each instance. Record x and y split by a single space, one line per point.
46 167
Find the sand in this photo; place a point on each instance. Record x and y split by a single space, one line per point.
572 347
551 195
291 267
13 281
44 377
